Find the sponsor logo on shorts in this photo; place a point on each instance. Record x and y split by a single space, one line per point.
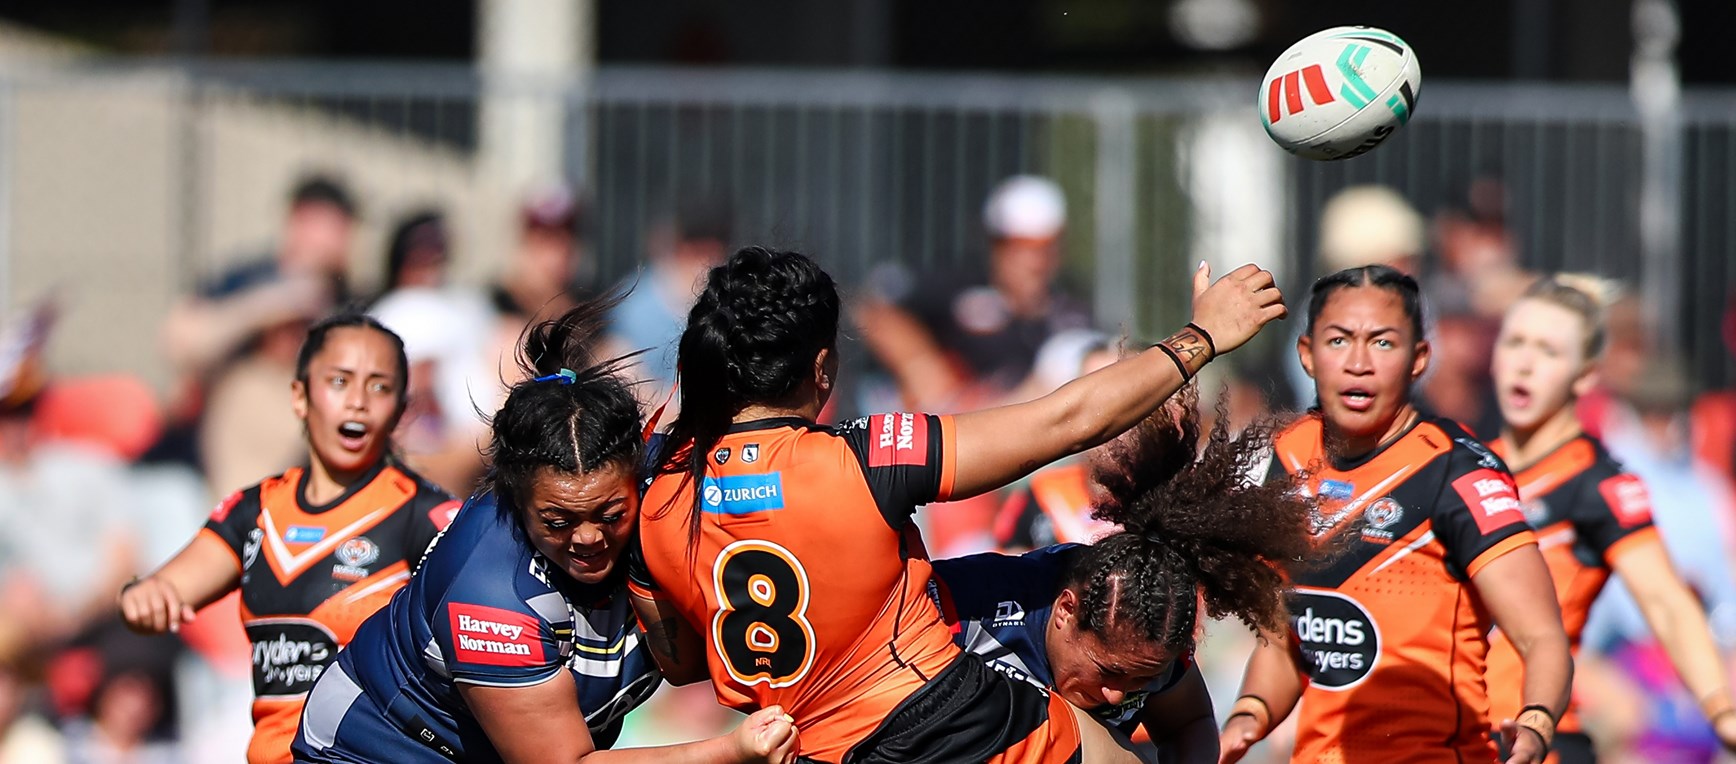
1628 499
1340 643
289 654
494 637
743 494
1380 517
899 440
1491 498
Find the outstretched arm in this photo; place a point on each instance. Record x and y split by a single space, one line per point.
1680 624
1000 445
193 578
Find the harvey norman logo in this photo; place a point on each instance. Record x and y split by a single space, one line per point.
742 494
493 636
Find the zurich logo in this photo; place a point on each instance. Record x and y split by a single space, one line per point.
744 494
713 495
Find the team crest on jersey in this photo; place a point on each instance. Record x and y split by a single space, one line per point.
721 455
750 453
250 549
354 557
1380 517
1008 613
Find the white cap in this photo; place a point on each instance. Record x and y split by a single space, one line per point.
1025 207
1061 359
1363 225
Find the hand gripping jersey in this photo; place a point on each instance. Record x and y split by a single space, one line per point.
1054 507
1587 511
809 578
311 575
1391 634
485 609
998 607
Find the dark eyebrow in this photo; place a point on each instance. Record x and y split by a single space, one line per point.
1374 333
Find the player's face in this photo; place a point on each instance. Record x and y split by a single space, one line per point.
581 522
1093 669
1363 359
349 404
1539 363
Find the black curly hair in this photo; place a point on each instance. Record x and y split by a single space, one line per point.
751 338
1193 530
583 425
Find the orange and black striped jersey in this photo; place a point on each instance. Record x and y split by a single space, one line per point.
809 576
1587 511
1389 631
311 574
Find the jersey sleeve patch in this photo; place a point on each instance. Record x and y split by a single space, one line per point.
1491 498
224 507
1628 500
494 637
899 441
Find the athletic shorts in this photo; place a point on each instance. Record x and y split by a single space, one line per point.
970 712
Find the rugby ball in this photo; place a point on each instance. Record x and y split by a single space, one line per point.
1339 93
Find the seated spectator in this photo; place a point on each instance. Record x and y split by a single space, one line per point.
952 345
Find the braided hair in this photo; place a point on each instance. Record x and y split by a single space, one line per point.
1195 532
579 426
751 338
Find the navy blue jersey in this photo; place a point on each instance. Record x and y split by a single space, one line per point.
998 606
487 609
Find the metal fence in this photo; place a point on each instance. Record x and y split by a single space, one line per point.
121 183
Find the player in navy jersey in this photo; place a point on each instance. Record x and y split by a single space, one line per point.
318 549
515 642
1111 626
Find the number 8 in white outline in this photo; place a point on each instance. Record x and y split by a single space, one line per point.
797 614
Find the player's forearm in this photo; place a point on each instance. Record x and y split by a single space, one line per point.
1548 670
1680 625
1272 685
719 750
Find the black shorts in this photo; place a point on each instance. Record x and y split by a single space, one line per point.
970 712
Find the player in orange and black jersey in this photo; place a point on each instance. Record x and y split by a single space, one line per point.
782 558
318 549
1591 517
1390 634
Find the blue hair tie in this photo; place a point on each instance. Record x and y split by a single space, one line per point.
564 376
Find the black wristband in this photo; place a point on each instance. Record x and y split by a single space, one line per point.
1205 335
1186 376
1540 737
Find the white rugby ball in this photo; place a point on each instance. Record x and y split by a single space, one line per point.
1340 92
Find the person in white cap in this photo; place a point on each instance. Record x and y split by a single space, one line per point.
947 345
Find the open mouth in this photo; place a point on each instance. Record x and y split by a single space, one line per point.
1357 398
353 435
1519 396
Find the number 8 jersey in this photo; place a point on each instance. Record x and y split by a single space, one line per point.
788 506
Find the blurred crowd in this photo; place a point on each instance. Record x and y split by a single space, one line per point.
101 479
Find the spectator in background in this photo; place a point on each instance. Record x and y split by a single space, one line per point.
65 542
542 274
681 249
1714 413
447 333
237 338
25 737
952 347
